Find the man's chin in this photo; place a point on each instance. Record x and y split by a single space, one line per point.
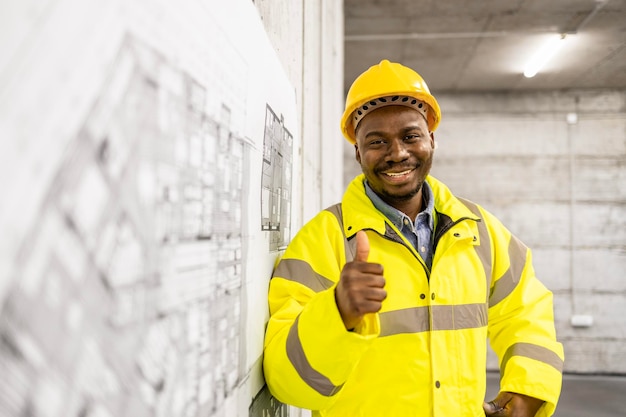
401 196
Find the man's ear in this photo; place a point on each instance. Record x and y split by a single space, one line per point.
433 144
357 154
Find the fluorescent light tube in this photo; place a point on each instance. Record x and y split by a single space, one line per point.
543 55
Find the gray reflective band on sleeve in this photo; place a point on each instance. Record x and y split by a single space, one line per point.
298 359
509 280
444 317
536 352
301 272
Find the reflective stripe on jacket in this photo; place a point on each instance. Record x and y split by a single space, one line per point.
424 353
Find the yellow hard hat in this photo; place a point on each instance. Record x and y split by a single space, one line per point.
387 83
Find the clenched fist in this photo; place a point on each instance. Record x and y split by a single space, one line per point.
510 404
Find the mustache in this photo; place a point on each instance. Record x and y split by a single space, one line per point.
397 166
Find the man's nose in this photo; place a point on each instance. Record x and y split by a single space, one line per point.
397 151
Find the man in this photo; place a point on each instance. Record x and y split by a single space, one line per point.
381 306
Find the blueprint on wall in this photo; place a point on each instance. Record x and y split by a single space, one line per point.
130 278
276 181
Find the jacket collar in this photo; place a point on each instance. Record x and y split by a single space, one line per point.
359 212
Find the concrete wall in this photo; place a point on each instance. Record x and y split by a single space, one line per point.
551 166
308 38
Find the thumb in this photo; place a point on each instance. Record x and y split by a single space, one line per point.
490 408
362 246
496 407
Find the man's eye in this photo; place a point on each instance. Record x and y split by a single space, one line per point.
411 137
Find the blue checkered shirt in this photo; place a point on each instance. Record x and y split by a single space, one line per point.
419 233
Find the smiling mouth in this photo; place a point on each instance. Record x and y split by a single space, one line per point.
398 177
398 174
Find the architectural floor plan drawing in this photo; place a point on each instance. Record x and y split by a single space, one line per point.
276 180
130 291
140 143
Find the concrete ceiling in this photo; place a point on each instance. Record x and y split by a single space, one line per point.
464 45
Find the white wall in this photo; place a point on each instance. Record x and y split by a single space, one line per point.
560 187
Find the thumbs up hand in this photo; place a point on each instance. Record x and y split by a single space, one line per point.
361 287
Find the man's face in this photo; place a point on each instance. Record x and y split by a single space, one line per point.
395 150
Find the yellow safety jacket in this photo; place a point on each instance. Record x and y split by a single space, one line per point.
424 353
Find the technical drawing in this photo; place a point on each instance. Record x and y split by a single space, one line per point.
276 181
129 297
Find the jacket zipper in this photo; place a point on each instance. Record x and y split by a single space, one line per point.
435 237
409 247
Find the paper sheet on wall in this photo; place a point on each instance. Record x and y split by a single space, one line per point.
146 154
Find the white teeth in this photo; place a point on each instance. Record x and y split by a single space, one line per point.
397 174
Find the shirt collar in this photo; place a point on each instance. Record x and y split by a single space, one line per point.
396 216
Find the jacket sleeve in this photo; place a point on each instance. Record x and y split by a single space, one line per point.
521 322
308 353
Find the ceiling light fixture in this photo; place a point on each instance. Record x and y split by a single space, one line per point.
554 43
543 55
